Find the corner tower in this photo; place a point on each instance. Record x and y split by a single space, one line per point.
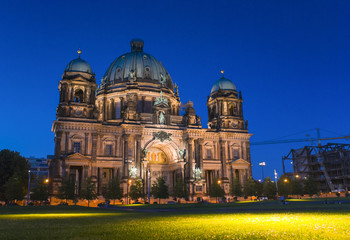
77 91
225 111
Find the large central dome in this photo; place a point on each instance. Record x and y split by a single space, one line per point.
137 66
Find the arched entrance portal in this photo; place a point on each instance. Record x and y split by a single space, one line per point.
162 159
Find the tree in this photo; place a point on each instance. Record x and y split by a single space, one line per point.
297 187
259 188
40 191
136 190
89 191
284 186
114 191
67 190
250 188
236 188
159 189
216 190
14 189
12 164
180 190
310 186
269 188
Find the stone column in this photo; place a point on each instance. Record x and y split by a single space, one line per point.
100 145
248 159
69 89
116 152
126 156
104 111
190 158
66 141
86 143
94 146
200 155
223 159
107 109
58 139
138 155
56 162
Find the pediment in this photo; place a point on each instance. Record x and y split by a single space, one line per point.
161 105
76 156
239 161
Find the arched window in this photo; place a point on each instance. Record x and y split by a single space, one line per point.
117 110
78 96
213 112
230 110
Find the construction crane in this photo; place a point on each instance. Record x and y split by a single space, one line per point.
318 139
319 155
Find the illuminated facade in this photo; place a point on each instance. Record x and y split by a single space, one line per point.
131 127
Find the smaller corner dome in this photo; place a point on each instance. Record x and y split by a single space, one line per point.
78 65
223 84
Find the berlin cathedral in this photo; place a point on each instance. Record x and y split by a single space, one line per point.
131 127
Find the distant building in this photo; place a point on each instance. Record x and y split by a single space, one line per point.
39 166
328 165
130 127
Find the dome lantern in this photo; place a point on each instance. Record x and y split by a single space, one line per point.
136 45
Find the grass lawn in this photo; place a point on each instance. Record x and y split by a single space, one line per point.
327 222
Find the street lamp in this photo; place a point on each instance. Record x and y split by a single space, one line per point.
262 164
219 182
28 195
46 181
149 186
276 181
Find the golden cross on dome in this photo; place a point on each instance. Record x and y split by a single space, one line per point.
79 52
222 72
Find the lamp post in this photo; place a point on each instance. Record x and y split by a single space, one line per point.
28 195
219 182
149 186
46 181
276 182
262 164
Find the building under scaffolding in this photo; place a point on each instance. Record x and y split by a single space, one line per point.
328 165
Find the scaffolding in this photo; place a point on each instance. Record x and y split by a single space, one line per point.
327 165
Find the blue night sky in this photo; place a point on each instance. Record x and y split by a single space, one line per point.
290 59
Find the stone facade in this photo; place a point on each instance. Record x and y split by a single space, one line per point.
131 127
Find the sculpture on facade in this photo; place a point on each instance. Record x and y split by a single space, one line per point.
162 136
161 118
133 172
